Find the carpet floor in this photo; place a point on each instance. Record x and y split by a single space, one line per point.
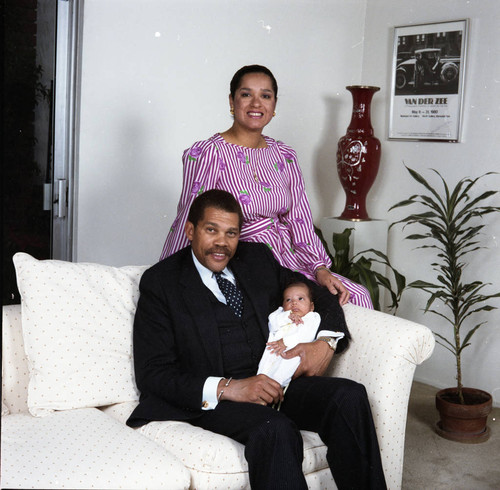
434 463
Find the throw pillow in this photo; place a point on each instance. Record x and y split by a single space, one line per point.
77 323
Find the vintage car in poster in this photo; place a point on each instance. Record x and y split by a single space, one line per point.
428 70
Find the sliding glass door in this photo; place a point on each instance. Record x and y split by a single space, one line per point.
39 127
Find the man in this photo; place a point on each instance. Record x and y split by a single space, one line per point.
196 355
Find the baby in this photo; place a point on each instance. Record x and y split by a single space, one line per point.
293 323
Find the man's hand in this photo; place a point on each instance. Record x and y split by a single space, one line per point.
258 389
334 285
314 358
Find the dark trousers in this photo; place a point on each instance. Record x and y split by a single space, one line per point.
337 409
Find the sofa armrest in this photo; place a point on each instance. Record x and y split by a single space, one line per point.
383 355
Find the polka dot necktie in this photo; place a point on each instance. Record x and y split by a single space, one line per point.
233 295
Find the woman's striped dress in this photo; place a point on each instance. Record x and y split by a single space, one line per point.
269 186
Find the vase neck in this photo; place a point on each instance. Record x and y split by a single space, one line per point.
361 116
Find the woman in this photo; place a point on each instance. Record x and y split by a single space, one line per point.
266 178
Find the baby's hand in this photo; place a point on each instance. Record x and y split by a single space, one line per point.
277 347
295 318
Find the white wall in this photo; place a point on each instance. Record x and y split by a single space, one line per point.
155 78
477 154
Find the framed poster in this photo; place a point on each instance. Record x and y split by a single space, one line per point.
428 72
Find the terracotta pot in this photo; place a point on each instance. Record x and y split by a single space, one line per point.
463 423
358 155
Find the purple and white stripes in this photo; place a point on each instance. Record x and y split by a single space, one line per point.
268 184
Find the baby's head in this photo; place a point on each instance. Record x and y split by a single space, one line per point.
297 298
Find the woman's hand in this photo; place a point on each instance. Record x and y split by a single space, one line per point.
334 285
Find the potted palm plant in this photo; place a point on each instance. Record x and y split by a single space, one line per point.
448 220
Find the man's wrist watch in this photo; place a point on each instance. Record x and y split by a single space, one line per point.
331 341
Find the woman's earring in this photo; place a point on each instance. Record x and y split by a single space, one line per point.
231 111
274 113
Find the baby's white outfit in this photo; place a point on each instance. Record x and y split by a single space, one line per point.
281 327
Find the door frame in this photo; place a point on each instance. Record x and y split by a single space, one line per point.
66 125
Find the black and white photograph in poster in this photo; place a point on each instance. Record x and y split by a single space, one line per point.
428 81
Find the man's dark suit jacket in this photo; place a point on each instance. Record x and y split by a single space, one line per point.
176 339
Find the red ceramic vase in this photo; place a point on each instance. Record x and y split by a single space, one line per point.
358 155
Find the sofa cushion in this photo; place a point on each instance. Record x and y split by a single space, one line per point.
77 327
216 460
83 448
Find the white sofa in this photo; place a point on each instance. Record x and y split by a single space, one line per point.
61 369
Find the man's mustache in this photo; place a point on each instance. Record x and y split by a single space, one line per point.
218 250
